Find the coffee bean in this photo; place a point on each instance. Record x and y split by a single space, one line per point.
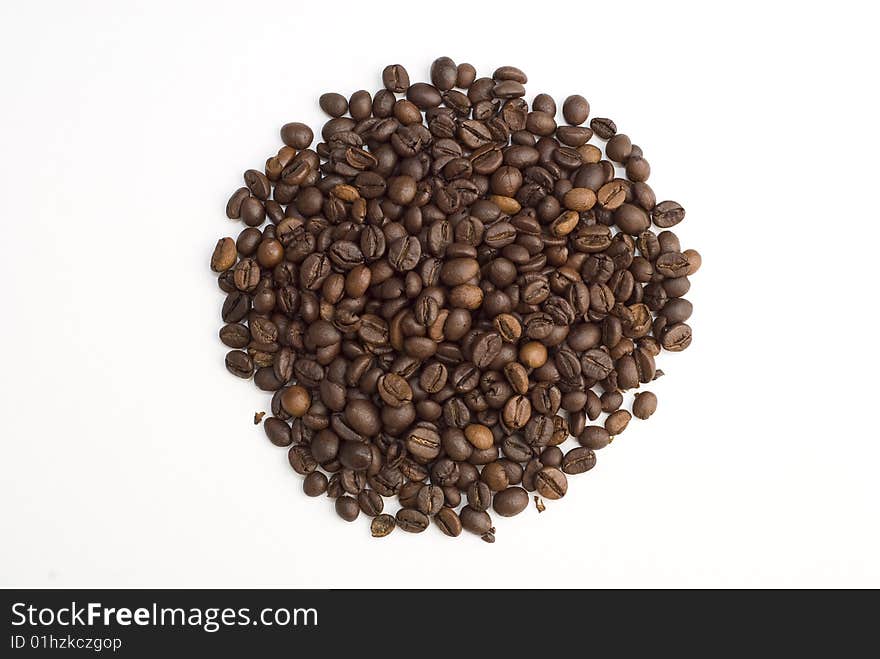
347 508
479 436
300 458
224 255
315 484
551 483
411 521
253 211
296 400
578 460
430 499
444 73
448 522
382 525
235 335
423 442
676 337
576 109
511 501
239 364
533 354
394 390
395 78
355 455
517 412
425 96
594 437
494 473
370 503
604 128
277 431
333 104
475 521
297 135
510 73
617 422
233 206
644 405
637 168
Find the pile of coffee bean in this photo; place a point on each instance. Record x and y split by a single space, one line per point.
445 289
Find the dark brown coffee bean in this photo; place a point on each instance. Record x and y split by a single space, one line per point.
644 405
315 484
239 364
510 73
475 521
576 109
394 390
370 503
395 78
604 128
233 206
297 135
300 458
511 501
448 522
382 525
617 422
347 508
578 460
411 521
595 437
277 431
430 499
333 104
517 412
551 483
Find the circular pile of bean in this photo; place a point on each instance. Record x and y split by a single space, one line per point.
444 289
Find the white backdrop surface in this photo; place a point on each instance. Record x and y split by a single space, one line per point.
127 453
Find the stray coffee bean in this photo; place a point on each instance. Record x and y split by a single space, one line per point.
444 289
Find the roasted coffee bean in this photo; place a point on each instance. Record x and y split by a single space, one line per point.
595 437
551 483
576 109
347 508
617 422
300 458
578 460
224 255
475 521
395 78
604 128
370 503
517 412
239 364
277 431
394 390
382 525
233 206
644 405
676 338
411 521
448 522
333 104
315 484
297 135
510 502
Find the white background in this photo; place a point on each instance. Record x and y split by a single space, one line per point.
128 453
